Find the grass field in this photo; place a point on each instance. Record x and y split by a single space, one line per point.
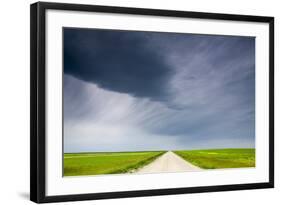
220 158
77 164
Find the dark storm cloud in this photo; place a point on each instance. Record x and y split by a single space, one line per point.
117 61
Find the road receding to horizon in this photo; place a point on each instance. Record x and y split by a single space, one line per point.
168 162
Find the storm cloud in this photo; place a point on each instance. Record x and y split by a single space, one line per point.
130 90
117 61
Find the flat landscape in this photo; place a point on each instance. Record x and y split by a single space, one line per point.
76 164
148 99
219 158
106 163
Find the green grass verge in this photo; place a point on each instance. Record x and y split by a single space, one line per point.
219 158
77 164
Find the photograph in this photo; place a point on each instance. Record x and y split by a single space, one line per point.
143 102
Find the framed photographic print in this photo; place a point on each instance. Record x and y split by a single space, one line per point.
129 102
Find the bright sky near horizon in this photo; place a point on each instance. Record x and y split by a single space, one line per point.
133 91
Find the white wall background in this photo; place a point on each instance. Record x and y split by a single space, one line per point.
14 100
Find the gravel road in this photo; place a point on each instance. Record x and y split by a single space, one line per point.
168 162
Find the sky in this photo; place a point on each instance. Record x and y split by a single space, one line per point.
137 91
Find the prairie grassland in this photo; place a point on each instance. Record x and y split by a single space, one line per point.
219 158
76 164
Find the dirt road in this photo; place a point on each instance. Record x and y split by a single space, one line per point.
168 162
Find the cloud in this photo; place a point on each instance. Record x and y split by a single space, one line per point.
117 61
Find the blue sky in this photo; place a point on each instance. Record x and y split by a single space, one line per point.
128 91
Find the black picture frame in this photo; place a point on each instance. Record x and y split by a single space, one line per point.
38 101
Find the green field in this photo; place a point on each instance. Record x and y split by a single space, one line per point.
76 164
219 158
